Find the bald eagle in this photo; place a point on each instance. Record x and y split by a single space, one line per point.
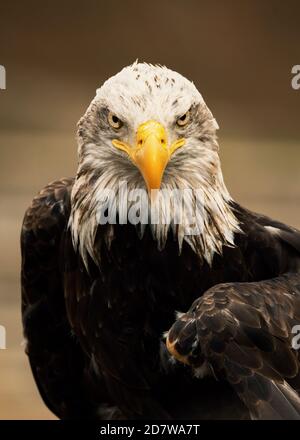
148 320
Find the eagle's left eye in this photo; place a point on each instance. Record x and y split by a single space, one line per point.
183 120
114 121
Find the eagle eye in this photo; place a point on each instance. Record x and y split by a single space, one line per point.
114 121
183 120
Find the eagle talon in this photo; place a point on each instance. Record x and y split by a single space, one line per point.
182 341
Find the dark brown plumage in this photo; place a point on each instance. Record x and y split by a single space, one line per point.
95 342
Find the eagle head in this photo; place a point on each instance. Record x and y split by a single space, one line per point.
149 126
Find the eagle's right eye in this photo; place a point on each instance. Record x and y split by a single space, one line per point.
114 121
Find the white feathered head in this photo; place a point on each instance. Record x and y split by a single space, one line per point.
149 126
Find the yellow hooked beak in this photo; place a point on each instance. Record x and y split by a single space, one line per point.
151 152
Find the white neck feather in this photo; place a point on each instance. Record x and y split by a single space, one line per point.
216 223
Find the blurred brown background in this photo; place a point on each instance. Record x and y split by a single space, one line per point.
239 53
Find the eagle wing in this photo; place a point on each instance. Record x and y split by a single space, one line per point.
287 235
243 332
56 359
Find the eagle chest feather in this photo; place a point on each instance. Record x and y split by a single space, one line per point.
135 290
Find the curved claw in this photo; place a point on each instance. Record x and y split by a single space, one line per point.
183 342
